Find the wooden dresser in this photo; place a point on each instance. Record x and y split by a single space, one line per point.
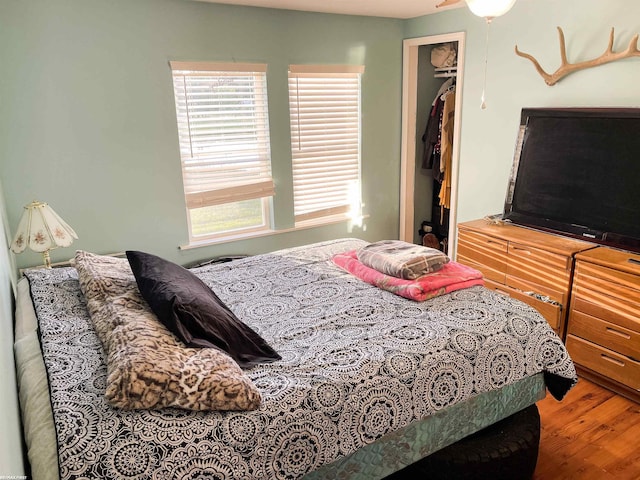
603 334
532 266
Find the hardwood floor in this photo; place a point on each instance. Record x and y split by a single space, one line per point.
592 434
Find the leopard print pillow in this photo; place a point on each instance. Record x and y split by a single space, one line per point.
147 366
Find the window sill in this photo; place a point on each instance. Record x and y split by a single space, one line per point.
317 222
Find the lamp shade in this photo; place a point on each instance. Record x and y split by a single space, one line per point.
41 229
490 8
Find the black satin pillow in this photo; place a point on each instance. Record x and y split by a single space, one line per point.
194 313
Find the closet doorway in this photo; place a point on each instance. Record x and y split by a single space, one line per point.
416 183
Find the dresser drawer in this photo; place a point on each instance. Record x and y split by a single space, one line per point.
609 335
608 281
606 362
551 312
484 253
606 294
545 269
559 296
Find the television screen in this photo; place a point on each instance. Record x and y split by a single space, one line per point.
577 172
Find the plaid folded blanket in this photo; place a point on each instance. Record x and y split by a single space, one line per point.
401 259
452 276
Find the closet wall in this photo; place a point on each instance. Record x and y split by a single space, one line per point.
432 83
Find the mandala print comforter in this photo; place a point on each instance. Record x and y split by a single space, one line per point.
357 363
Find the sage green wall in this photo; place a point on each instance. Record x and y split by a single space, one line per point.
488 136
88 119
10 444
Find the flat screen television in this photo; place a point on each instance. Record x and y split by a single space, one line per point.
576 172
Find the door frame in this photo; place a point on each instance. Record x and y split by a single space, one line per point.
410 48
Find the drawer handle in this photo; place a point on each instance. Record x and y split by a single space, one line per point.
522 250
620 334
612 360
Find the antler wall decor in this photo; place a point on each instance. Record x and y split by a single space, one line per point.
566 68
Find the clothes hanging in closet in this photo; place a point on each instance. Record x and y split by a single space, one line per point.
438 140
446 141
431 137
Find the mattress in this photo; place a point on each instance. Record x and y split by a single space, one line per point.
369 382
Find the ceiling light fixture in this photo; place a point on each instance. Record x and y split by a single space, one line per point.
488 9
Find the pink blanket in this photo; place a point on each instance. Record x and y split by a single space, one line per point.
452 276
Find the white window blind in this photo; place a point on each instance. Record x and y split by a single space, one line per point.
223 131
324 106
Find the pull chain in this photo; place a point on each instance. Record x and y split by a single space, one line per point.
483 104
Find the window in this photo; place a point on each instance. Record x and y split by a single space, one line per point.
324 106
223 131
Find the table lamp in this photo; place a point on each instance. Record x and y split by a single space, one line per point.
41 229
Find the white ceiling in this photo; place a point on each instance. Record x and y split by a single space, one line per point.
372 8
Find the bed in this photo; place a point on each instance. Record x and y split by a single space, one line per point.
368 382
